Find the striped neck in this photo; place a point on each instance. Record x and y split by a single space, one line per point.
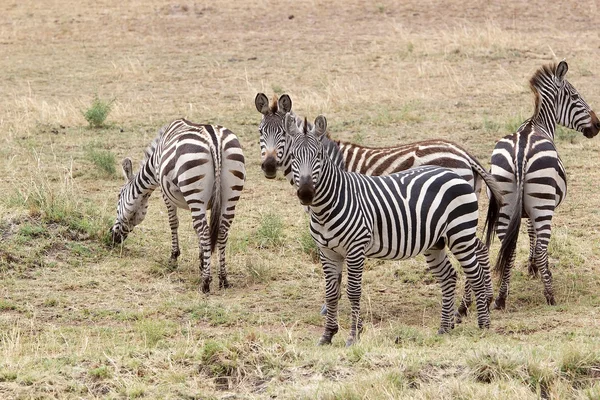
330 187
546 99
146 179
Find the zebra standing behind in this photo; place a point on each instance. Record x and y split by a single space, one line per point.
532 176
367 160
352 216
198 167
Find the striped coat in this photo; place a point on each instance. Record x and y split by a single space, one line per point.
197 167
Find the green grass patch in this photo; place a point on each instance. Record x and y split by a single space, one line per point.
104 160
98 111
270 232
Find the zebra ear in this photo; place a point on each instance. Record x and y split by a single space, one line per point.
127 169
262 103
289 124
285 103
561 70
321 126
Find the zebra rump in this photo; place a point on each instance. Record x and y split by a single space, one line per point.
197 167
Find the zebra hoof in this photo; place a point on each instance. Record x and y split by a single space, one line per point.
499 304
206 286
224 284
460 313
550 300
532 269
323 310
350 341
325 340
445 329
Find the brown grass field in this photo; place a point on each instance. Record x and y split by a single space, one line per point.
79 319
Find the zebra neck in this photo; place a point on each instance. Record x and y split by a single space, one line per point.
545 118
330 189
145 181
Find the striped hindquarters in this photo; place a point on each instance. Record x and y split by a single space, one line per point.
388 160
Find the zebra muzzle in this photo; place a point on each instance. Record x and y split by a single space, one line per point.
592 130
269 167
306 191
117 236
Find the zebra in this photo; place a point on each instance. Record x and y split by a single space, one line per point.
374 161
366 160
197 167
352 216
527 166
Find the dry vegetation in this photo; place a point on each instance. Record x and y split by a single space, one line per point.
81 320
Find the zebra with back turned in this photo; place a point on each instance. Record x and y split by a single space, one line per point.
197 167
527 166
275 154
352 216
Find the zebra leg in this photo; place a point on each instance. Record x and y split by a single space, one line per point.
472 259
201 227
324 306
500 302
465 303
221 245
332 269
541 262
439 264
483 257
531 265
174 224
355 261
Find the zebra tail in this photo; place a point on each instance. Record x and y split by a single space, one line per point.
496 201
509 243
216 203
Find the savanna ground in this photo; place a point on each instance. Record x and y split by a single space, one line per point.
79 319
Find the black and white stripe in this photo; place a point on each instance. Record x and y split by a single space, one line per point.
532 176
197 167
352 216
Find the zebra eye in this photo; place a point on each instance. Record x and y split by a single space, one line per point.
574 97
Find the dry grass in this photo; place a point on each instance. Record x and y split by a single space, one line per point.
82 320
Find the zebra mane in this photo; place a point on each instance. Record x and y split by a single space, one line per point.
274 107
152 146
545 73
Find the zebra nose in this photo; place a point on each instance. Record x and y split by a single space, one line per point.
269 167
306 191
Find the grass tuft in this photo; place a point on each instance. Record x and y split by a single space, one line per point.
97 113
270 232
104 160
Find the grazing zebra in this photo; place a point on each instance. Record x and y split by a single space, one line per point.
375 161
532 176
353 216
198 167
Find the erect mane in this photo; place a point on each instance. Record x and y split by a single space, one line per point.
544 73
152 146
274 107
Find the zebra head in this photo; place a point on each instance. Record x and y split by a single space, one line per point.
272 141
571 109
131 209
307 154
